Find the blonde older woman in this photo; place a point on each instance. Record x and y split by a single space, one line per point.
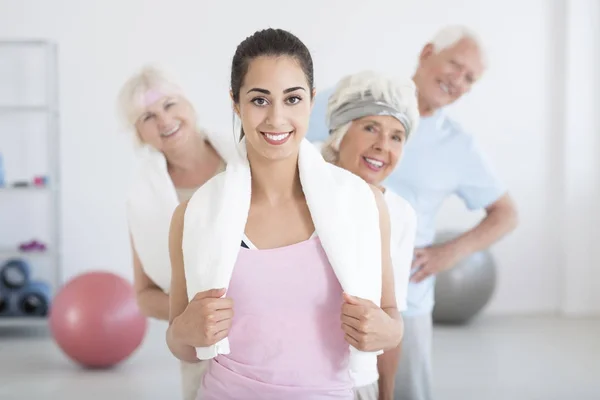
176 158
370 118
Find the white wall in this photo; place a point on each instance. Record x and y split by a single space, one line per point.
581 165
516 111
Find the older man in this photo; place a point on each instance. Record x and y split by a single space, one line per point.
441 160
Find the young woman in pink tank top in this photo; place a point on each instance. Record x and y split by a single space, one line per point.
288 323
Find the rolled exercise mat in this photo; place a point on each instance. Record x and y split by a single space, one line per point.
15 274
34 299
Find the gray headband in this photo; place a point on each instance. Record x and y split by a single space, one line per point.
352 110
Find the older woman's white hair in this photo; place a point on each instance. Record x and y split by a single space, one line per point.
364 94
140 90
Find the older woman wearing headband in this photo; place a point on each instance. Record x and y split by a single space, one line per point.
176 157
370 118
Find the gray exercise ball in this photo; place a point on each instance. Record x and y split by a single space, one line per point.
462 291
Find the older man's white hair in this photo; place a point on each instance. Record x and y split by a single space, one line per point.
131 101
400 95
452 34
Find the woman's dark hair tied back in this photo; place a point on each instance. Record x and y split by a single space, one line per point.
268 42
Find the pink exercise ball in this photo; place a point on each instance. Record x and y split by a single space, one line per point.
95 320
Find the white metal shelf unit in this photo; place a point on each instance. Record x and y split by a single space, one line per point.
14 110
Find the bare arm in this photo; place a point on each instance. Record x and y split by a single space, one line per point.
387 363
151 299
501 218
178 293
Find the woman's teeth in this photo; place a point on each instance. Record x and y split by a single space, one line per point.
170 132
375 163
277 136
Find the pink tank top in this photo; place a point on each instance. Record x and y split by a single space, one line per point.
286 339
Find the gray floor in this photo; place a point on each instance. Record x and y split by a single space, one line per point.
492 359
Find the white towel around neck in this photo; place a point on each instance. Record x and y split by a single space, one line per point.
150 204
344 212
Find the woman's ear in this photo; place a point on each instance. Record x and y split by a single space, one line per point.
312 99
235 106
138 136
